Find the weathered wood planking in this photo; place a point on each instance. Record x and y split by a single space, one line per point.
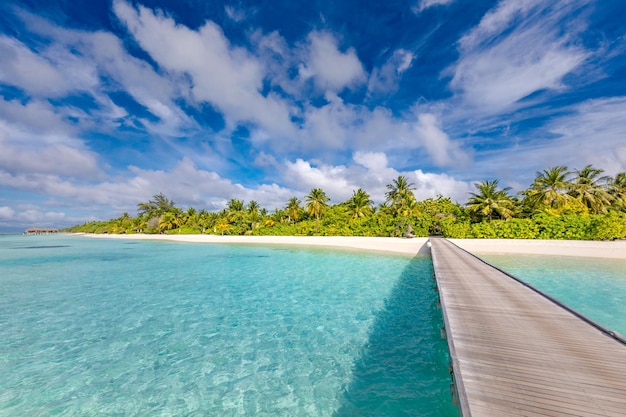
515 352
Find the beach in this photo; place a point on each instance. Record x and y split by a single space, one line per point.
576 248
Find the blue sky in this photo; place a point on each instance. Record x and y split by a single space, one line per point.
106 103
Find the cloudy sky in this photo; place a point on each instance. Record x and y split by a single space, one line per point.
106 103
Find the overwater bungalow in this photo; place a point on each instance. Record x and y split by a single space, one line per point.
40 231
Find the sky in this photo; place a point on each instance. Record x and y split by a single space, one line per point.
104 104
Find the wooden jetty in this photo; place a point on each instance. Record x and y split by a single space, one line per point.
516 352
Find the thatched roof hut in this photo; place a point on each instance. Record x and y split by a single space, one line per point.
40 231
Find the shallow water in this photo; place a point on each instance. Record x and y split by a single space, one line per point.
98 326
594 287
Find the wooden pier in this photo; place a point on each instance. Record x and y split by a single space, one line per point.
517 352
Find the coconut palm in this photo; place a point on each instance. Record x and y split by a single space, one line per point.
550 189
235 205
617 188
316 204
253 213
360 204
293 209
591 189
170 220
191 217
155 207
490 201
400 193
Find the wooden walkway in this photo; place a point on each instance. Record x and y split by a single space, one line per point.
515 352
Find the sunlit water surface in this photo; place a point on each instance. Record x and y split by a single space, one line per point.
593 287
112 327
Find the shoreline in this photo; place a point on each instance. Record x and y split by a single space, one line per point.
376 244
413 246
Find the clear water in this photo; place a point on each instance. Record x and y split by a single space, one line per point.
98 326
593 287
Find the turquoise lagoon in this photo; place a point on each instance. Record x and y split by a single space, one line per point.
117 327
594 287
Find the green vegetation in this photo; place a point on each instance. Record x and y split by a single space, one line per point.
559 204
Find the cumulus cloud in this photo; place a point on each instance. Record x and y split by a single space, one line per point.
330 68
96 64
442 150
430 185
25 216
371 172
6 213
37 140
184 183
31 72
228 77
518 48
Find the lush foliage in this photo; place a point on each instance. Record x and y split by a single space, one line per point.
559 204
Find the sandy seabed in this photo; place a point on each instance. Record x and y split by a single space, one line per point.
578 248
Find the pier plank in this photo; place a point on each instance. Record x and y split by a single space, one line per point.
516 352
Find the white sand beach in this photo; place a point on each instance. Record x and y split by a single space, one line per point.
578 248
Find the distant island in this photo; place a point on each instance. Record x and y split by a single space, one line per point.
559 204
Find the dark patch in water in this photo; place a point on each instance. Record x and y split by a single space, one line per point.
42 247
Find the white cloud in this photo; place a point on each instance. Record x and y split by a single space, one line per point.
332 179
385 79
373 161
185 184
519 48
27 217
330 68
594 134
441 149
430 185
23 68
370 173
6 213
228 77
425 4
236 15
35 139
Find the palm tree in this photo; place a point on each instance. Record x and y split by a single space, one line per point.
591 189
155 207
360 204
191 217
400 193
235 205
550 189
489 201
222 225
253 212
170 220
617 188
293 209
316 204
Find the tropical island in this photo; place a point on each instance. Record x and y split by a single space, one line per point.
559 204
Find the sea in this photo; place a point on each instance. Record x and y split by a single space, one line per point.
591 286
118 327
134 328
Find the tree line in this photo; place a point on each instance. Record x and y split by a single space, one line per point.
559 204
